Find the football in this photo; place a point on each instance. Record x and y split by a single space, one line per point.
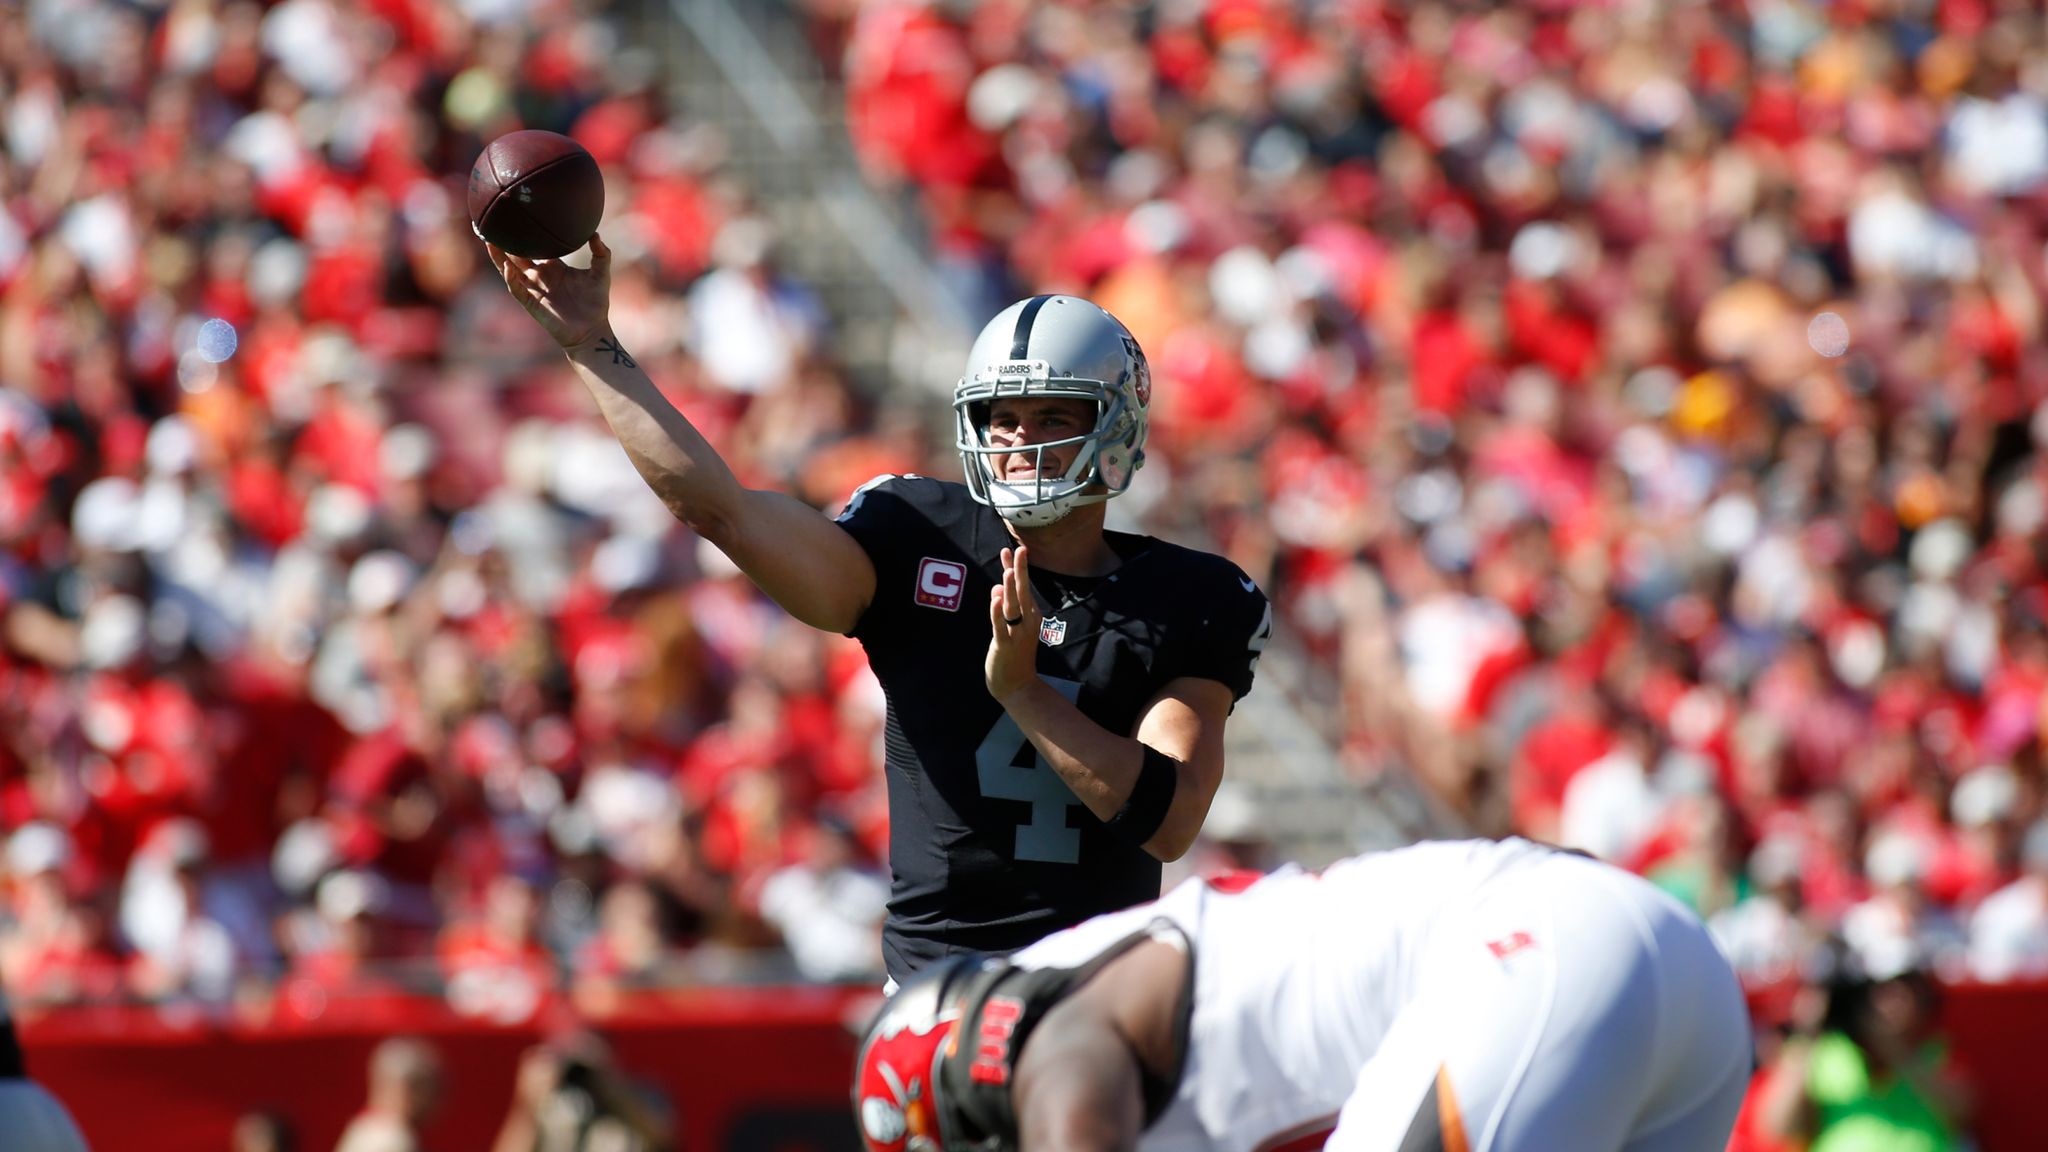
536 194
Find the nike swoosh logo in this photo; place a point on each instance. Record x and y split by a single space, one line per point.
1249 586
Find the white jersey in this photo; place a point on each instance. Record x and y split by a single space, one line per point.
1373 979
1298 978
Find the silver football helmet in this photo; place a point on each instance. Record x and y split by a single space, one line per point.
1054 346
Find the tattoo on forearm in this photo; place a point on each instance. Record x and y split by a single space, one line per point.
619 356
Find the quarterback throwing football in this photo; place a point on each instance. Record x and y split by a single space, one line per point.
1050 787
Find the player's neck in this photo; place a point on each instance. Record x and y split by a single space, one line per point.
1071 546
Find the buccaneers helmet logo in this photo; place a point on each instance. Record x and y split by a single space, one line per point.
897 1111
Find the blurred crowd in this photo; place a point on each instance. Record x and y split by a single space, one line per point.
342 653
1642 405
1639 407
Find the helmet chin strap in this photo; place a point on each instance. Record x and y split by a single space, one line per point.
1033 515
1042 513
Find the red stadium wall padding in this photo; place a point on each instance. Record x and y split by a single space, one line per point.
1998 1030
748 1070
759 1069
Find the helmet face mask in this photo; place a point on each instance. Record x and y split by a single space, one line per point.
1054 347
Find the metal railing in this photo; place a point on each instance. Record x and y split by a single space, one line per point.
747 67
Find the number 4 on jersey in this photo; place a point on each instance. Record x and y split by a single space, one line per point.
1047 838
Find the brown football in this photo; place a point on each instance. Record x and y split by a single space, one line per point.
536 194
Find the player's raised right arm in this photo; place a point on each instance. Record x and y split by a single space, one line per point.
791 551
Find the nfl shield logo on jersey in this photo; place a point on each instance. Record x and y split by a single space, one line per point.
1051 631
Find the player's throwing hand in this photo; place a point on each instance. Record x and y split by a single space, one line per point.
572 304
1013 617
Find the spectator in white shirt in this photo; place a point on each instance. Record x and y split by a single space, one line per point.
2009 933
829 907
181 949
1765 937
1898 929
1609 807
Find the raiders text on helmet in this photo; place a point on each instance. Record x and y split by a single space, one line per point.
1059 346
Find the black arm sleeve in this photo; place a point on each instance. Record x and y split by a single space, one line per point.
1238 623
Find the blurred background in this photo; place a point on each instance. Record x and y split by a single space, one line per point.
1636 410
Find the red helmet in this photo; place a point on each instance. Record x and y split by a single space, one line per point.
896 1093
920 1087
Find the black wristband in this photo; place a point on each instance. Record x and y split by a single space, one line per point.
1142 814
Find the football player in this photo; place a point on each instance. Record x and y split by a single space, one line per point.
1050 786
31 1120
1439 998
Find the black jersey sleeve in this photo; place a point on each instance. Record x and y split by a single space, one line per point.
1236 621
874 514
884 516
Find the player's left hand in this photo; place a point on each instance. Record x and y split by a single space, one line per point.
1013 617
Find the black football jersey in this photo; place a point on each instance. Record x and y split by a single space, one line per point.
989 848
